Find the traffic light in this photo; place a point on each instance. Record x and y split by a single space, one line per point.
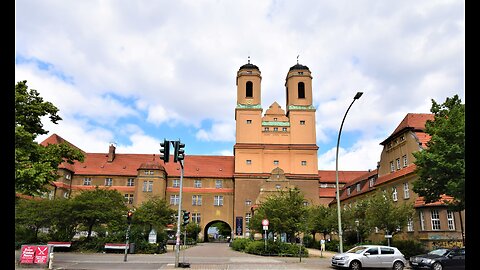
179 152
165 151
186 217
129 216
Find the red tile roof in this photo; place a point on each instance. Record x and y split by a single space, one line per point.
444 199
327 192
415 121
343 176
394 175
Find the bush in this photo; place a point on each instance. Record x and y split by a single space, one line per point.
239 244
409 247
275 249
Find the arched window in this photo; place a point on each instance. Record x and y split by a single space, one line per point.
301 90
249 89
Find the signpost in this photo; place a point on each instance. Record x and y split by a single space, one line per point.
36 254
265 224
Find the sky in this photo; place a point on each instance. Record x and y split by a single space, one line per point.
134 73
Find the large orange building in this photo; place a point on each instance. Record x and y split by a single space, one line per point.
273 151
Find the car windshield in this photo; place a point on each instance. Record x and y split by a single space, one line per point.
357 250
440 252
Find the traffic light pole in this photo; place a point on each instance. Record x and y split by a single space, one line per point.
179 217
126 244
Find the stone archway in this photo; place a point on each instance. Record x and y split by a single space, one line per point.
221 234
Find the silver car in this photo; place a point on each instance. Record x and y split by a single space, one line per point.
370 256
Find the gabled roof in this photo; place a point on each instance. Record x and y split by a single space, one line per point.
444 199
55 139
413 121
396 174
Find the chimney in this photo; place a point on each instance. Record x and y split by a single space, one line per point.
111 153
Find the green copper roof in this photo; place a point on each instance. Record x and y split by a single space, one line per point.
247 106
275 123
301 107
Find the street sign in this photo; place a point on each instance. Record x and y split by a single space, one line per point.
388 236
265 228
265 222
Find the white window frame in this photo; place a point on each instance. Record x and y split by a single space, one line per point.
394 194
451 220
422 221
358 187
371 182
197 200
405 163
248 202
130 182
392 166
147 186
218 200
218 183
435 219
410 225
406 191
398 163
87 181
197 183
176 183
108 181
174 199
196 218
129 198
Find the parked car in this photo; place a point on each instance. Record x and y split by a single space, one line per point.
440 259
370 256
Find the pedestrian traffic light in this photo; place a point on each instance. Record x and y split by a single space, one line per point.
129 216
179 152
165 151
186 217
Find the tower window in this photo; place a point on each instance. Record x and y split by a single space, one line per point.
249 90
302 122
301 90
249 121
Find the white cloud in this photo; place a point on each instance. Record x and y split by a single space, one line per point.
224 131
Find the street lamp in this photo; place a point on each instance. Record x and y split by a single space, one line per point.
340 233
358 234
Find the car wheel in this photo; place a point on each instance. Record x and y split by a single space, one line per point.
398 266
437 266
355 265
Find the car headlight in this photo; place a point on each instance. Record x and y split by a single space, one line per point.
342 257
429 261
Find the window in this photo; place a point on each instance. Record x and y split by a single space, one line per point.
275 162
196 199
147 186
275 119
196 218
249 121
249 161
302 122
386 250
398 163
435 219
304 163
218 200
406 191
197 183
174 199
176 183
278 186
248 217
148 172
394 194
373 251
284 129
108 181
392 167
404 161
249 89
248 202
87 181
422 222
218 183
130 182
371 182
301 90
358 187
129 198
305 203
323 185
450 220
348 191
275 129
410 225
265 129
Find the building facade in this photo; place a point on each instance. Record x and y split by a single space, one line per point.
273 151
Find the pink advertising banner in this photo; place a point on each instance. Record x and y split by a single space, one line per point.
34 254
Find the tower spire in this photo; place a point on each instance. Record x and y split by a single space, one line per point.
249 59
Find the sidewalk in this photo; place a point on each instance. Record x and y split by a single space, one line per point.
313 252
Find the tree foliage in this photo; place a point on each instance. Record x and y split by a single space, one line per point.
35 165
441 166
285 211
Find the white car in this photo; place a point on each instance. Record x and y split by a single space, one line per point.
370 256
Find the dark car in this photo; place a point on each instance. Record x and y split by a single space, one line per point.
440 259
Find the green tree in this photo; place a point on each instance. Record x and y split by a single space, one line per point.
155 213
98 207
385 214
35 165
30 217
285 211
322 219
441 166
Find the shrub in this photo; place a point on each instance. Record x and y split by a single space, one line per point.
239 244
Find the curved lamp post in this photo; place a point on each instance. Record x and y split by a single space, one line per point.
340 232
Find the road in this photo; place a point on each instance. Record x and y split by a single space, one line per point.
201 256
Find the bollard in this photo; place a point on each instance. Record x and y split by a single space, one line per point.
50 262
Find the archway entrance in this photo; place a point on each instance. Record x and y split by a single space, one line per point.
217 231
